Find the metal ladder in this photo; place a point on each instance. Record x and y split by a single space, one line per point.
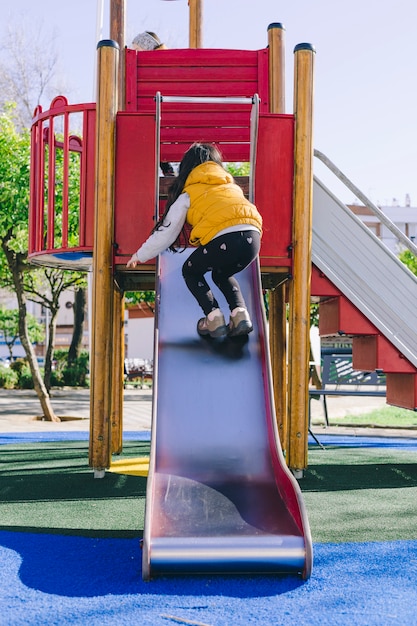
254 124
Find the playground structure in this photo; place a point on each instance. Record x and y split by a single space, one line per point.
208 95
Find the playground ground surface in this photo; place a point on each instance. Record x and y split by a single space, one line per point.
20 410
69 544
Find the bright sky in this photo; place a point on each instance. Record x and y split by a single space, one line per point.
365 107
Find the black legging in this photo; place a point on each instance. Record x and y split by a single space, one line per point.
224 256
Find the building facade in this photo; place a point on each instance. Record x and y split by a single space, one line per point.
404 217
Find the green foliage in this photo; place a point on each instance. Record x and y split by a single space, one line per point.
238 169
386 416
314 314
14 182
73 193
74 375
8 378
25 379
9 327
135 297
23 374
409 259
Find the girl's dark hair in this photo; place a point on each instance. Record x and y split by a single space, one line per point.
196 154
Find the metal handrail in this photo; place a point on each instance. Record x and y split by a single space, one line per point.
254 128
158 100
368 203
207 100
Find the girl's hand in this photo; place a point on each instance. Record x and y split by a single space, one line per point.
132 262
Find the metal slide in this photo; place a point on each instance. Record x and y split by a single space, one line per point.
220 498
365 270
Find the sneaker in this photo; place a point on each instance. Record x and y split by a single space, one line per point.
214 325
240 322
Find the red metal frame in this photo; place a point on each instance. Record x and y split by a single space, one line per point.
201 72
43 138
204 72
208 73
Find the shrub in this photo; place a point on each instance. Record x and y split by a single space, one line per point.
73 375
8 378
25 380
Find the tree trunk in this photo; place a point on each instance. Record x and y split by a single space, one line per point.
79 316
50 350
39 385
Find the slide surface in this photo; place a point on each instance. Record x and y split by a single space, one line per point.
220 497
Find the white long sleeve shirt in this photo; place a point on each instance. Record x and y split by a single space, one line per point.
171 227
167 233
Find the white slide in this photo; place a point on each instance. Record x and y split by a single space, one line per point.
220 498
365 270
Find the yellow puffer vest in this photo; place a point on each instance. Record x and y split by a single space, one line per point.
216 202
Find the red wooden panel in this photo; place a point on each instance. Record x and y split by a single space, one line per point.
338 316
229 132
200 72
134 182
376 352
218 89
199 57
230 152
402 390
274 187
214 134
135 156
321 285
195 73
207 115
131 68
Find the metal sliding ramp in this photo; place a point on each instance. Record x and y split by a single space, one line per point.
365 270
220 497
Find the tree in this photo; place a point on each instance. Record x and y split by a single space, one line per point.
14 202
80 303
9 327
28 69
45 287
409 259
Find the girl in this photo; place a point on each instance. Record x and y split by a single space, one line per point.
150 41
225 227
147 41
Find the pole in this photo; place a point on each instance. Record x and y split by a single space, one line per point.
276 45
117 371
299 315
277 304
196 23
102 305
117 33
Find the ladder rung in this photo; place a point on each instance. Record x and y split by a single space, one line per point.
205 100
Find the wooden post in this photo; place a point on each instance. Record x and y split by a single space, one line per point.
277 308
196 23
117 33
299 314
276 45
102 297
117 371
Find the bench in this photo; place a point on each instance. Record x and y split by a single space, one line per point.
338 378
137 372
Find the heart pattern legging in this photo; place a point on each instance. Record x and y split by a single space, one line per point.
224 256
